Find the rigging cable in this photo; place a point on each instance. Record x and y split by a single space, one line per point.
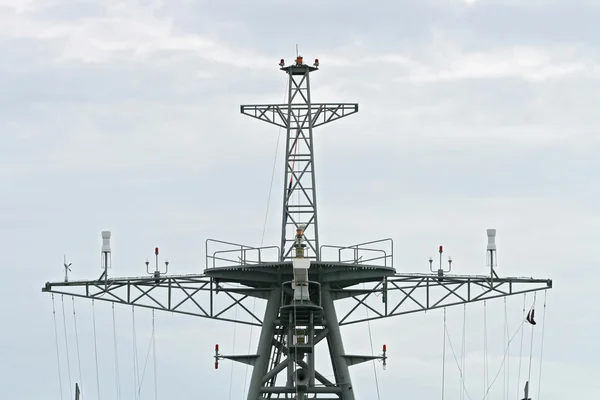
486 378
136 367
521 350
372 352
57 351
506 388
542 346
139 389
233 347
504 358
463 367
77 342
531 344
117 378
520 328
262 240
154 357
96 349
444 356
62 300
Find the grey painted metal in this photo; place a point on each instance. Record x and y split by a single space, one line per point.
274 371
318 376
311 356
264 345
299 116
192 295
336 347
290 358
406 293
410 293
248 267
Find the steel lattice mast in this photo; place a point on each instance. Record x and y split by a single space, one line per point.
300 279
299 116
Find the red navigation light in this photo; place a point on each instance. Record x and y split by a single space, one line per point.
384 348
216 347
441 249
216 365
282 62
316 62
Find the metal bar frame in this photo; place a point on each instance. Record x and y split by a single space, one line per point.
299 116
423 293
136 291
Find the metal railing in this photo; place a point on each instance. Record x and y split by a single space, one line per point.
382 255
235 254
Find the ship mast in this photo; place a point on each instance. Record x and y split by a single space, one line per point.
299 116
300 279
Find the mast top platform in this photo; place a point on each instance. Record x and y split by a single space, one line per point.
298 67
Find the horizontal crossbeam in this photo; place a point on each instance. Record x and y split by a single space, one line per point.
320 113
411 293
185 294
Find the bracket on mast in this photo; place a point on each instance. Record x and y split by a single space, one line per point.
157 273
440 270
244 359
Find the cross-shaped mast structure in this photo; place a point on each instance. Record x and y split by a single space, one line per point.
300 279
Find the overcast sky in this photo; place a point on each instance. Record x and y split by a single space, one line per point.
474 114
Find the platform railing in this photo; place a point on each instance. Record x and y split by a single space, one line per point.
234 254
376 252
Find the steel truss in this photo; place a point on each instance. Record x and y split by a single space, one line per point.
193 295
299 116
278 356
410 293
291 327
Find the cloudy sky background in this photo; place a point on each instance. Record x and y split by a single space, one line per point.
124 115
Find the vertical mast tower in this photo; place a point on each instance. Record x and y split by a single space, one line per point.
299 282
299 117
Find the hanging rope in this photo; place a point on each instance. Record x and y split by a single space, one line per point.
139 389
77 342
62 300
485 355
520 328
262 240
136 367
506 387
444 356
96 349
462 365
504 358
233 348
531 344
542 346
57 351
117 378
372 350
521 350
154 356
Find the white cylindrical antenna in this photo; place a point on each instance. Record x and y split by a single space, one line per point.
106 250
491 249
491 234
106 242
